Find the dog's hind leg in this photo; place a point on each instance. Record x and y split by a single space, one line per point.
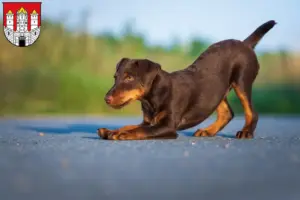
244 91
224 116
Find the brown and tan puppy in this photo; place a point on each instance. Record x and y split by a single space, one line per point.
183 99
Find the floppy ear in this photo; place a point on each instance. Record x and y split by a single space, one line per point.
121 62
147 70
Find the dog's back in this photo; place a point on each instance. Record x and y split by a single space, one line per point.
228 49
226 56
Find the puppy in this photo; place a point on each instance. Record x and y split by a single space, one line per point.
183 99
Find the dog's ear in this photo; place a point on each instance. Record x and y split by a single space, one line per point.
147 71
121 62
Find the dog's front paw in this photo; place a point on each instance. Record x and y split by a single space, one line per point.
244 135
105 133
127 135
202 133
120 136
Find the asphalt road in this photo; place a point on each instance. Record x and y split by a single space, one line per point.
63 158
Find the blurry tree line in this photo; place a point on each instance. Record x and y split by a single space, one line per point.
69 71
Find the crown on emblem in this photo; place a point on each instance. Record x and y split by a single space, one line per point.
34 12
22 10
9 12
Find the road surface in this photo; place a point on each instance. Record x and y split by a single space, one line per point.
63 158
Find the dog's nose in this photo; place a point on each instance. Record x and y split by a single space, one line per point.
108 99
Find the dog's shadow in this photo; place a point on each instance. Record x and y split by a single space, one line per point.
70 129
92 129
191 133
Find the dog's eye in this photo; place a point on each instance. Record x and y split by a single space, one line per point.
128 78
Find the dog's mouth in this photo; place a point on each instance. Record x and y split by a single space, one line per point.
121 105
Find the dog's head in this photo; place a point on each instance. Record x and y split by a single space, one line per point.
133 79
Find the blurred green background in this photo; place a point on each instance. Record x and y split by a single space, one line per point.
70 74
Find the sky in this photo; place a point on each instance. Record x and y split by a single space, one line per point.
162 21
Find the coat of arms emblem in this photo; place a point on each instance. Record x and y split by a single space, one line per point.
22 22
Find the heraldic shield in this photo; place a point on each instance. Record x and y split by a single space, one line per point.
22 22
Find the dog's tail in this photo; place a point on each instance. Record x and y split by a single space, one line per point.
258 34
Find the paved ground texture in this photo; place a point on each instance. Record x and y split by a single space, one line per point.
62 158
